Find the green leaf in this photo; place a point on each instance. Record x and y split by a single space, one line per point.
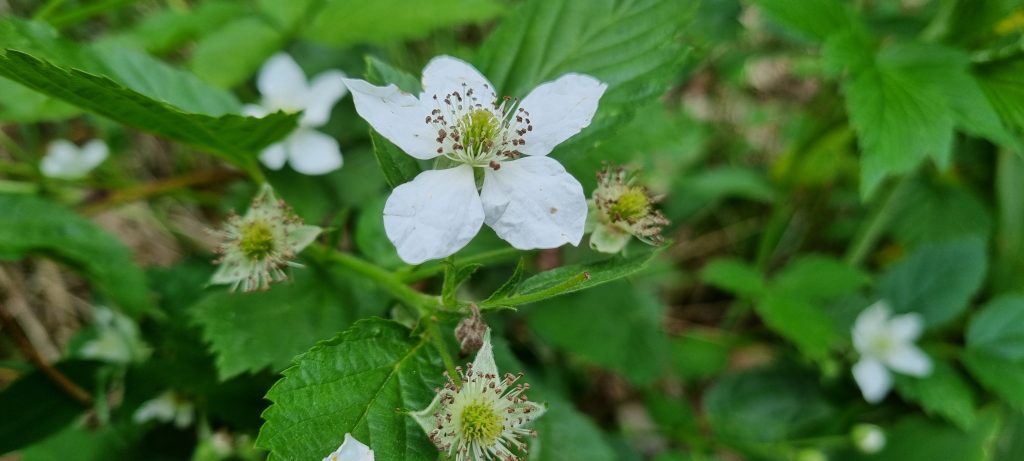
920 439
943 393
995 348
382 74
802 322
699 355
163 31
819 278
361 382
136 90
631 45
936 281
939 212
572 278
397 166
814 19
371 238
235 50
24 105
756 407
511 284
564 434
733 276
344 22
258 330
454 277
35 226
80 444
632 340
35 407
1003 83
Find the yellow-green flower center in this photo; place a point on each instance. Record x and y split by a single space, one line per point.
479 128
480 423
256 240
632 205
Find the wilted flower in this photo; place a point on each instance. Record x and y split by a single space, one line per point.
257 247
482 417
531 201
67 161
624 209
117 339
284 87
166 407
868 438
351 450
886 342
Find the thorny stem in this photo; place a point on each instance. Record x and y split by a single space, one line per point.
75 391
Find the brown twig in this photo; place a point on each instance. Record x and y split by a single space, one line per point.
29 351
159 187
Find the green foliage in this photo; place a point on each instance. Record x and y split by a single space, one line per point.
937 280
33 226
995 348
50 409
398 167
814 19
944 393
365 379
918 439
343 22
242 328
235 50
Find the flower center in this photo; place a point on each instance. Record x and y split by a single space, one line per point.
256 240
479 129
632 205
882 344
480 423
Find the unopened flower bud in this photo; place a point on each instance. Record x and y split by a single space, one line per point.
811 454
868 438
470 332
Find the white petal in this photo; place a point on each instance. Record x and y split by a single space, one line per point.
434 215
909 360
274 156
906 327
325 90
300 237
560 109
445 74
608 239
871 321
396 115
312 152
94 153
351 450
282 84
484 360
254 110
534 203
873 379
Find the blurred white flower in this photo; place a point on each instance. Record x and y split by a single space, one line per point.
117 339
283 86
531 201
256 248
165 408
868 438
67 161
886 342
351 450
483 417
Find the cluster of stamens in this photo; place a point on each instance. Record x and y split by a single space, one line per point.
479 131
482 417
628 206
254 248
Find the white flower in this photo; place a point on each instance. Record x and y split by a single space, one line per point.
623 209
481 418
67 161
886 342
257 247
117 339
166 407
284 87
351 450
531 201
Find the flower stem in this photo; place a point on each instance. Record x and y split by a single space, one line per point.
434 332
416 273
424 304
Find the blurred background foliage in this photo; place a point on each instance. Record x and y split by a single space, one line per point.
814 156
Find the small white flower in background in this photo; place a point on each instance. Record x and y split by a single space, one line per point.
868 438
283 86
351 450
257 247
526 197
67 161
623 209
165 408
886 342
117 339
483 417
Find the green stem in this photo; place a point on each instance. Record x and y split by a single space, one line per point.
44 11
435 337
416 273
86 12
770 238
424 304
869 234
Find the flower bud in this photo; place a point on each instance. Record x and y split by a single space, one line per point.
868 438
